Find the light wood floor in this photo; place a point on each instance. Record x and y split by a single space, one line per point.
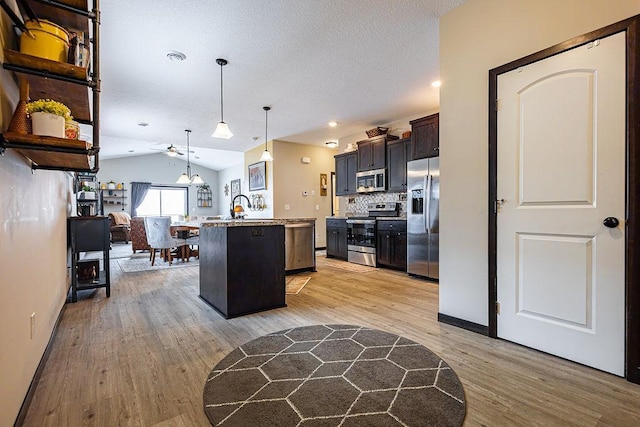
141 357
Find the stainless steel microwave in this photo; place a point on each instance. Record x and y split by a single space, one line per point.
370 181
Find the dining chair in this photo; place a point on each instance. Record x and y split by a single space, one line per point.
193 240
158 229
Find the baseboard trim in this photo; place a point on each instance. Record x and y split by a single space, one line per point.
22 414
464 324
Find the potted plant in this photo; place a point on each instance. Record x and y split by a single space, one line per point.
111 185
87 193
48 117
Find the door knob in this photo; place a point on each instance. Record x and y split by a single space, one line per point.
611 222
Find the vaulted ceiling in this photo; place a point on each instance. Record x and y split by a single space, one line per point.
361 63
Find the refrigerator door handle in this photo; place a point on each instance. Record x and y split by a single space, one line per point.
427 214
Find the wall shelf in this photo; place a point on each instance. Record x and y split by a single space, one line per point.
63 82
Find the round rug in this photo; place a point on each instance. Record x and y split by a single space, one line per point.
333 375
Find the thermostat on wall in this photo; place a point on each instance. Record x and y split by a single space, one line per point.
306 160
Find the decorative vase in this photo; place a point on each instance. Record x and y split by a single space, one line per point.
47 124
20 122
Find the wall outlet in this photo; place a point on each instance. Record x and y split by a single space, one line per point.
287 207
33 325
317 207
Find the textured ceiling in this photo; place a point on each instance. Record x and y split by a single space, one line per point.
359 62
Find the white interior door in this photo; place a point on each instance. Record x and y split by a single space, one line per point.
561 172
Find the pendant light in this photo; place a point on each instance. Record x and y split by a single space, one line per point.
222 130
186 177
266 155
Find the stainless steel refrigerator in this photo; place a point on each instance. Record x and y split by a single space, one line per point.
423 220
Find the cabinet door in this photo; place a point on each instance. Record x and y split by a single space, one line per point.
383 247
365 156
342 243
399 251
397 165
351 168
379 153
425 137
332 242
341 175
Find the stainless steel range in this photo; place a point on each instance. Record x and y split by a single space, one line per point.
361 233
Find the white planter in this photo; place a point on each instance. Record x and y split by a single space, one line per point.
47 124
87 195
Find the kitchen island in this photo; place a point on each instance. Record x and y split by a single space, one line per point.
242 265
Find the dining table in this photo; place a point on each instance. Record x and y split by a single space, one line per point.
184 230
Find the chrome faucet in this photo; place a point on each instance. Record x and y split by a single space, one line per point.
233 213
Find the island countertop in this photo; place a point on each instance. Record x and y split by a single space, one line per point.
258 222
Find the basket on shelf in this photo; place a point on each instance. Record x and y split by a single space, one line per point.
377 131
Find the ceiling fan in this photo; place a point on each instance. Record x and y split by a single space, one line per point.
171 151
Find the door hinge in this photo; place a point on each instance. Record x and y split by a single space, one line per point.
497 307
497 104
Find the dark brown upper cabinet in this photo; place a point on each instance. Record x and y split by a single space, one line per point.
425 137
398 154
372 153
346 165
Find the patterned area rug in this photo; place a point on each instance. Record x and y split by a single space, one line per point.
133 265
295 284
333 375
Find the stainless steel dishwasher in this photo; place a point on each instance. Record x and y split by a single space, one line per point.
299 242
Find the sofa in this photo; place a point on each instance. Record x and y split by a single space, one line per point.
138 235
120 226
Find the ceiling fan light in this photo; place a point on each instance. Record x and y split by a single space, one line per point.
195 179
266 156
172 153
184 179
222 131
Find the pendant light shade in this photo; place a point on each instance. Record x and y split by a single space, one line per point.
195 179
222 130
186 177
266 155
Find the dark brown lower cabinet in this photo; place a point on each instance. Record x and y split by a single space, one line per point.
391 246
337 238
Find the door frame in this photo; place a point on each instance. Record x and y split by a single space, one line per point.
631 28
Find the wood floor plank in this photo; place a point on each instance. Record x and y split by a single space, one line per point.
142 356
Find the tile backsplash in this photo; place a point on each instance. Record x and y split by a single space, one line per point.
357 205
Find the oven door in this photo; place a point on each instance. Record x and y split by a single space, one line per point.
361 232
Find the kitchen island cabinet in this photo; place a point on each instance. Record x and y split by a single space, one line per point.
242 265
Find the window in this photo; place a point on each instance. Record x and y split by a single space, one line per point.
165 201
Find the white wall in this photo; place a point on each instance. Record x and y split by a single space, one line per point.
158 169
225 177
292 178
33 256
474 38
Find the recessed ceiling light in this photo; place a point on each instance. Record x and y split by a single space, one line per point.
332 144
143 124
333 123
436 83
176 56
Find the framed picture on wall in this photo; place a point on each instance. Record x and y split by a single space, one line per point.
235 188
257 176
